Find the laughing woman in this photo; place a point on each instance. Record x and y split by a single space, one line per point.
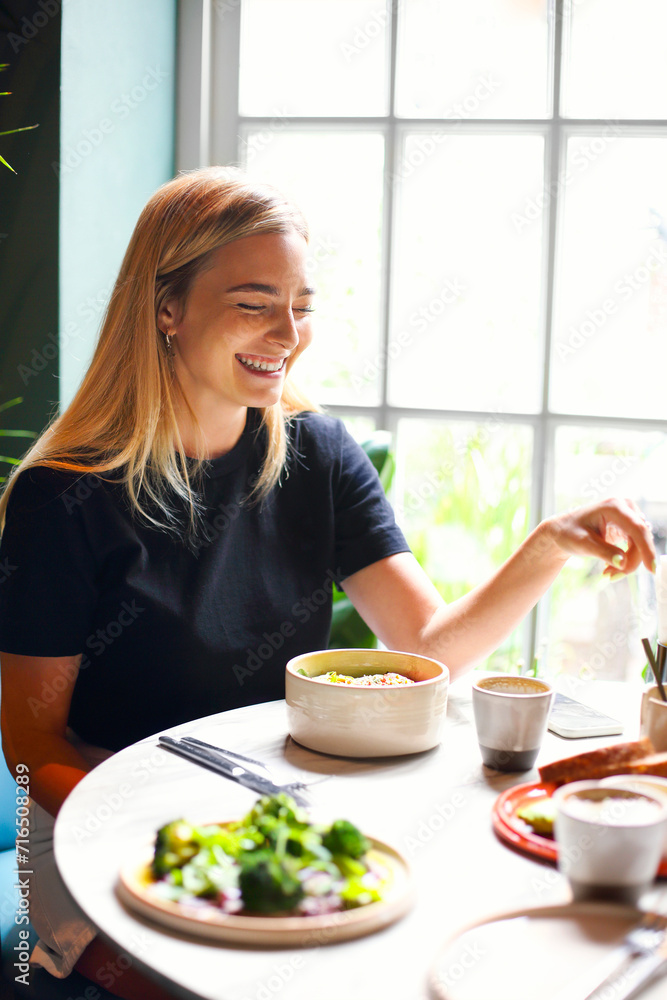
184 504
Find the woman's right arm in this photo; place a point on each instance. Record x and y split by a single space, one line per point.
36 696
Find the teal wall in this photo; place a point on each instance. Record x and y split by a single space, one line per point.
116 148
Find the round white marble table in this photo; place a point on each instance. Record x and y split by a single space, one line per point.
434 807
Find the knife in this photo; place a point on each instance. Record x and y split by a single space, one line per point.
233 769
257 766
636 975
630 972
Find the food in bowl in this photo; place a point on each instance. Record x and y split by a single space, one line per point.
366 720
274 861
390 679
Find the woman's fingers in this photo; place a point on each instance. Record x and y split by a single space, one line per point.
614 531
636 537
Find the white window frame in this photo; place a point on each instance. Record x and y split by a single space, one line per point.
210 130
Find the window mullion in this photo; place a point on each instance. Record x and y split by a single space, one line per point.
224 82
544 441
544 437
390 157
193 84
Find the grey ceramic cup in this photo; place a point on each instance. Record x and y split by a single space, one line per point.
605 848
511 719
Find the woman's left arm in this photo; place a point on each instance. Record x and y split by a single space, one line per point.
404 609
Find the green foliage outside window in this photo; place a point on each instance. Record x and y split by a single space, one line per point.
465 507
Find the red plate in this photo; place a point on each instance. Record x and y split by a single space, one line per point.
514 831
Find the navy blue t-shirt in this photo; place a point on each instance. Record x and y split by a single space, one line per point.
171 629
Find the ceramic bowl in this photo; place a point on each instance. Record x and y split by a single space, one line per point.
355 721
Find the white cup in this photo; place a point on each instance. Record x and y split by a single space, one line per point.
610 840
649 784
654 718
511 719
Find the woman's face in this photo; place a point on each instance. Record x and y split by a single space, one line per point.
246 320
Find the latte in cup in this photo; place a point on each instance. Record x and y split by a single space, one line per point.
514 685
511 719
610 839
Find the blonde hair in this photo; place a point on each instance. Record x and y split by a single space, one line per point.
122 419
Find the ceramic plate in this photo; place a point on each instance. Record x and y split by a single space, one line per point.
513 830
134 889
550 953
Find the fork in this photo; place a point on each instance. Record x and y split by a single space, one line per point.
258 766
252 774
643 949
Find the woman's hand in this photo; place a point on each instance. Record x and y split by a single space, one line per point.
613 530
401 605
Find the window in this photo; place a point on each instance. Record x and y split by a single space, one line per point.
485 184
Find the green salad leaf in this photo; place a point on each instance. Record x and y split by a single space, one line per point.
272 861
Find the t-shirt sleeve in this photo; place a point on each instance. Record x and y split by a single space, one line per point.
48 584
366 528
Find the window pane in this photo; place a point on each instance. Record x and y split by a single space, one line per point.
610 330
344 263
361 428
595 627
462 497
472 59
615 64
313 57
466 288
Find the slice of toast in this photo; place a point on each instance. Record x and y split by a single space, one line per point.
654 764
619 758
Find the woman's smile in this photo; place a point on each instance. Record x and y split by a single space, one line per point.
261 365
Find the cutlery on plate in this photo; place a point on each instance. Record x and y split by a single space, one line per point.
640 955
230 766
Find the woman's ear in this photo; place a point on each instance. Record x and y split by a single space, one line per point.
169 314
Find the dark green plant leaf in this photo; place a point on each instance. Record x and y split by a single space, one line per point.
26 128
12 461
17 434
378 449
348 629
11 402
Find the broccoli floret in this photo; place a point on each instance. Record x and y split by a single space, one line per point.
175 845
268 885
344 838
281 806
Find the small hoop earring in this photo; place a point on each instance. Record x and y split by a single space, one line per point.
168 342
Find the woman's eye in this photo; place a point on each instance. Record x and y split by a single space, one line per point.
252 308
